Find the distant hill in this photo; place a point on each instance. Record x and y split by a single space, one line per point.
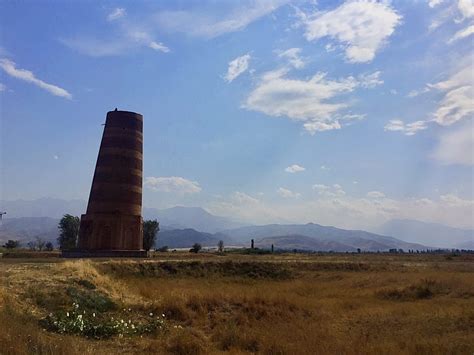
26 229
350 238
190 217
184 226
169 218
185 238
467 245
301 242
434 234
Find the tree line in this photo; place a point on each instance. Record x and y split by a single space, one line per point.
69 233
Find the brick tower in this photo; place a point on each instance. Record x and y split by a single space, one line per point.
112 225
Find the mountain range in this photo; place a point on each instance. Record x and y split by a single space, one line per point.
434 234
183 226
169 218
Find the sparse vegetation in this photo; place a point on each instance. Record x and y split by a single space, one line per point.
220 246
243 303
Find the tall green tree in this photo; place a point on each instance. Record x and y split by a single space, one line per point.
150 230
69 231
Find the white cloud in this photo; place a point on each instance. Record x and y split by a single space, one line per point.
287 193
10 68
456 201
3 87
236 67
175 184
375 194
243 198
434 3
370 80
293 57
214 23
295 168
415 93
408 129
324 167
158 46
329 191
117 13
458 100
361 26
456 147
465 32
466 7
55 157
311 101
127 36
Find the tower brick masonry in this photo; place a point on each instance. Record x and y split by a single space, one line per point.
112 224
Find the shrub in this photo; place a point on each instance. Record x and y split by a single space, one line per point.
12 244
186 342
91 300
196 248
422 290
96 325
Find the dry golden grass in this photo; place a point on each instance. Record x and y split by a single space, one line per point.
269 304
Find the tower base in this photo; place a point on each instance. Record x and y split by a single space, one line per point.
110 232
105 253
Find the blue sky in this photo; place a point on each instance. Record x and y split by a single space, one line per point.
343 113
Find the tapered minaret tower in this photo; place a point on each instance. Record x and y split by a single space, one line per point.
113 222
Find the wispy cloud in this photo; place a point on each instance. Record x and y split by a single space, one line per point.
116 14
434 3
3 87
125 36
465 32
311 101
158 46
409 129
175 184
285 193
415 93
457 146
10 68
466 7
329 191
375 194
236 67
216 23
457 103
362 27
295 168
294 58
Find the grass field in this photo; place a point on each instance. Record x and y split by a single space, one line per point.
181 303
